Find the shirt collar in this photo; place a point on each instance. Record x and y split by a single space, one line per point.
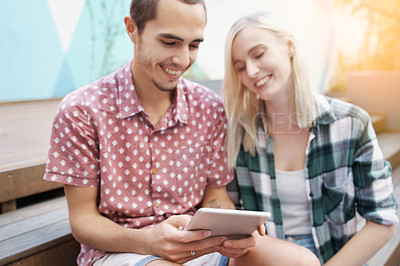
182 106
128 103
325 113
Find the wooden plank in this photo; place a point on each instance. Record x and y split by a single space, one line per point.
339 96
34 235
25 129
396 178
390 145
16 160
394 259
13 103
378 121
36 241
30 211
32 223
8 206
24 182
62 255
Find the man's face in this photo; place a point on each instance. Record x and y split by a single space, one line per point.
168 45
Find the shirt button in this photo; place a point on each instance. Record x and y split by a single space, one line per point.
156 204
154 171
311 195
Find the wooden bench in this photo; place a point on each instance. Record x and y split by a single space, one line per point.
38 235
25 129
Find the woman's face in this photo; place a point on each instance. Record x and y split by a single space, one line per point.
263 62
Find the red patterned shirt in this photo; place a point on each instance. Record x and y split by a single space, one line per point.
102 137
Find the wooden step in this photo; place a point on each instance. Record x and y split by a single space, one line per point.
390 145
25 129
339 95
378 121
38 235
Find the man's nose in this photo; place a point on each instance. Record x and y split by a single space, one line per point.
182 57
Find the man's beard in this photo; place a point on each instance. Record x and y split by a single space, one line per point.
162 88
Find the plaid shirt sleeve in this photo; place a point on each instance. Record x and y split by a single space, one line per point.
372 178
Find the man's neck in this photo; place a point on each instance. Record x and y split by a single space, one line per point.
154 101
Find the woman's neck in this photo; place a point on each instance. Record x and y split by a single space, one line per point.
281 116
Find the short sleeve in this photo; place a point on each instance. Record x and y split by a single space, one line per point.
73 156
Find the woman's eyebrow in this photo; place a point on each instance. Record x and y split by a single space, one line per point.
249 52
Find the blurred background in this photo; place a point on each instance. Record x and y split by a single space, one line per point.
51 47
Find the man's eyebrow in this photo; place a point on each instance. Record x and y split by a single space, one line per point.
171 36
198 40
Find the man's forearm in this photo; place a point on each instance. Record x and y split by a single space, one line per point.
217 198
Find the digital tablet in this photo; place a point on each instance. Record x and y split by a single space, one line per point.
223 222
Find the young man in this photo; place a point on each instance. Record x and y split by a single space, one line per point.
141 149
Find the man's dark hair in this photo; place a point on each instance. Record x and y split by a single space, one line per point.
144 10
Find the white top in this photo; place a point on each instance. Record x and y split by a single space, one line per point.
294 204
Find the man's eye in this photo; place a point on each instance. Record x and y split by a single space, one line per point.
194 46
168 43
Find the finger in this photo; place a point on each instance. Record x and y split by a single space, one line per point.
205 244
193 254
261 230
233 252
180 235
247 242
192 236
182 248
179 221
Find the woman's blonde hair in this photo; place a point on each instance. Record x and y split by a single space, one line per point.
243 108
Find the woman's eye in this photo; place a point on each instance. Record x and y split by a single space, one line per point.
259 55
241 69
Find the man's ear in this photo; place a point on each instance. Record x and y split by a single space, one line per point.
131 28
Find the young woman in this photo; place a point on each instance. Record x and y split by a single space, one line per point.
312 161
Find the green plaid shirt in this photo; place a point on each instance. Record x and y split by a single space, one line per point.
344 171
